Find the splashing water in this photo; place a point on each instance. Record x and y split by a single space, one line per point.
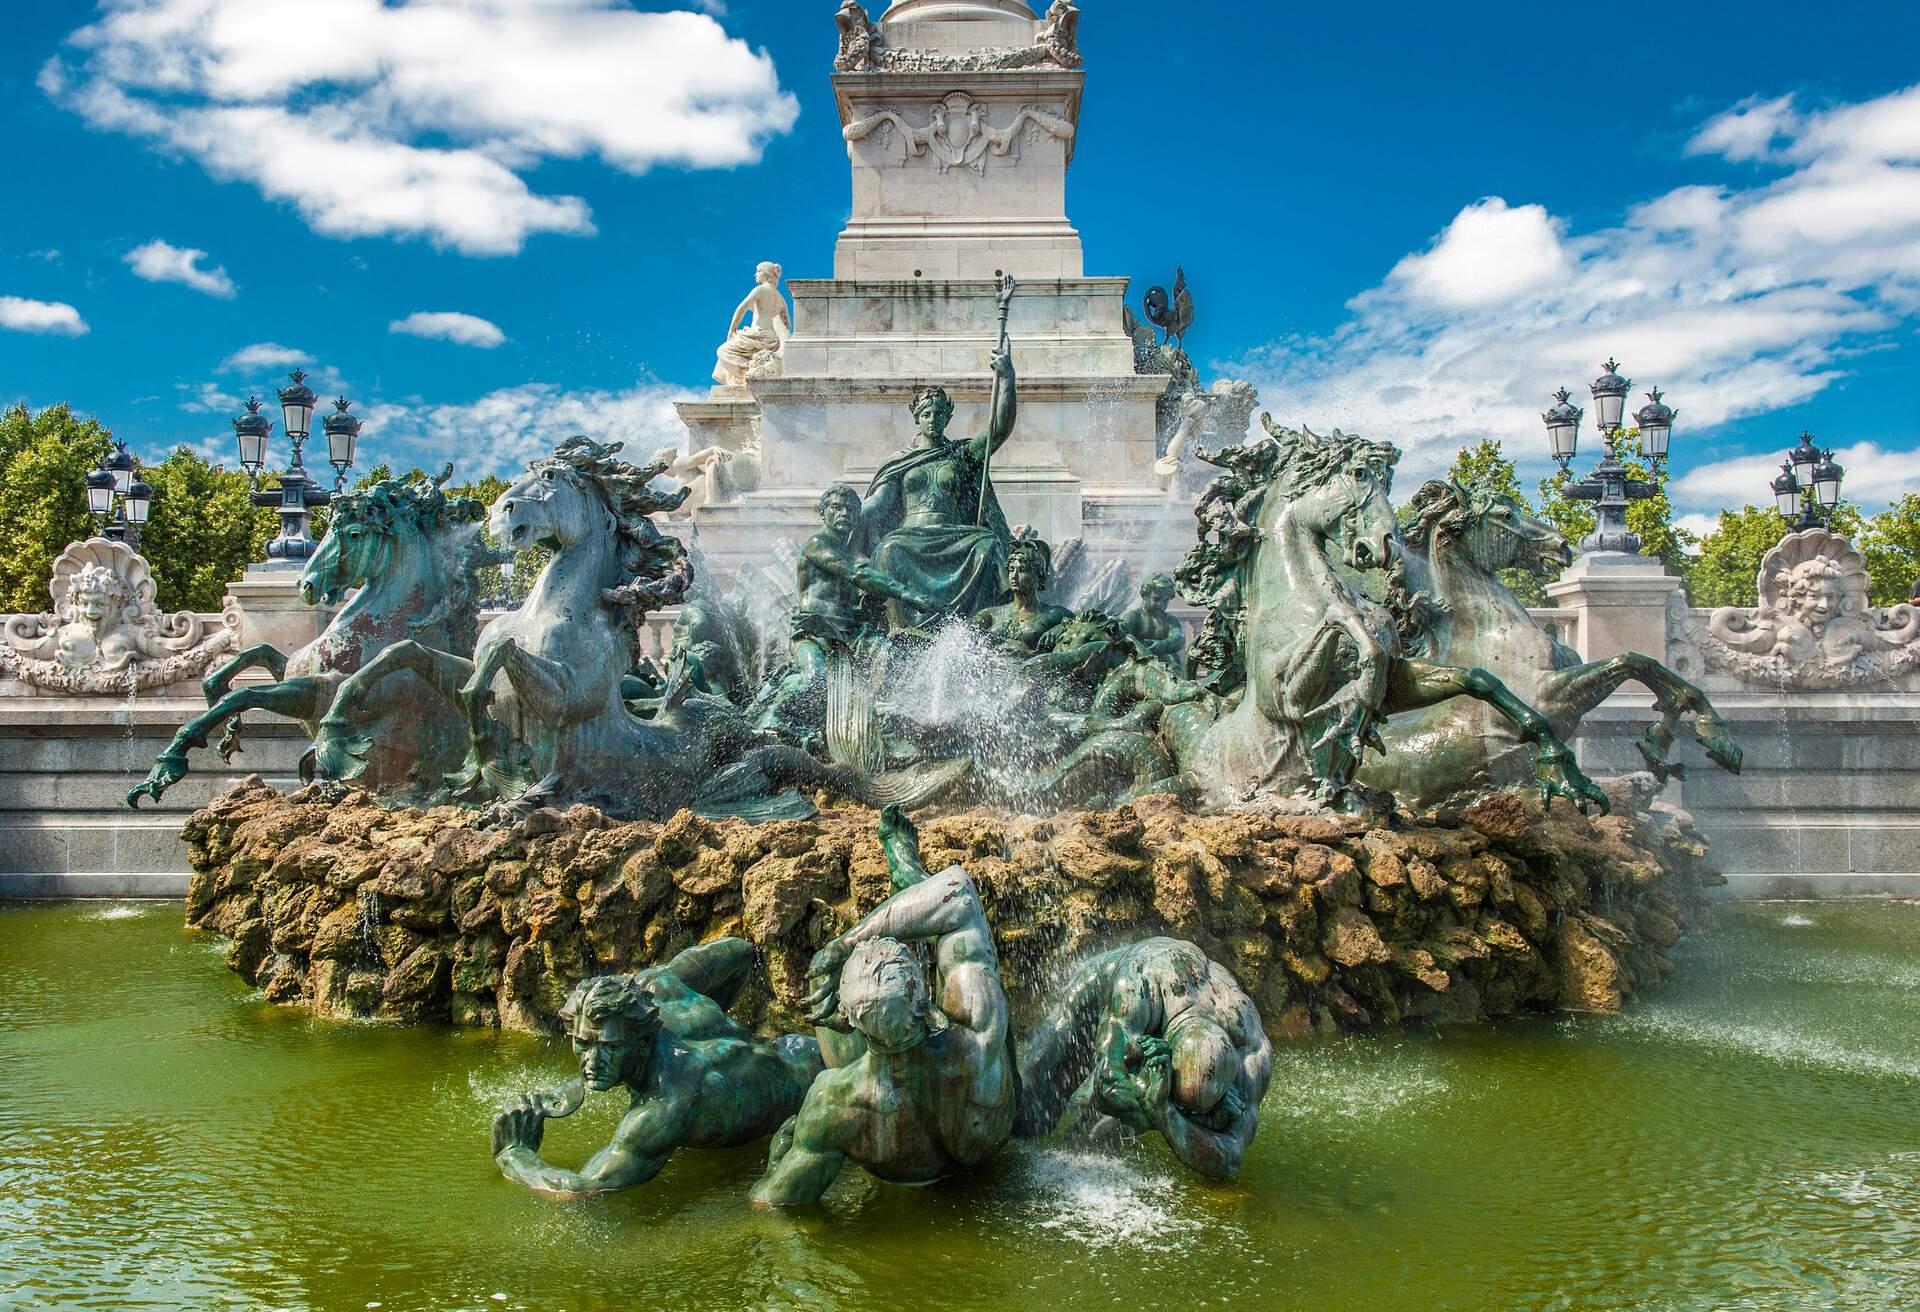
1109 1202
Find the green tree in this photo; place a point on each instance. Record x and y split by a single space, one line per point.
1487 460
1891 543
203 532
1651 519
1727 570
44 462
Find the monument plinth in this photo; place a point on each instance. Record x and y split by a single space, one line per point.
960 120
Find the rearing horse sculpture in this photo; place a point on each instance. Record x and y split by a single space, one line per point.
555 722
412 551
1460 537
1324 666
541 695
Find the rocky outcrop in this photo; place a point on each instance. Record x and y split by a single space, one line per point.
356 910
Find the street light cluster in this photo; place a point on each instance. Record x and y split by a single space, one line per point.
298 494
1609 487
118 498
1808 486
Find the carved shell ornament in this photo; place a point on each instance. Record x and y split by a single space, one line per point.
105 634
1814 626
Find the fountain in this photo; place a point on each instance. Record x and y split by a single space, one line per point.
1147 862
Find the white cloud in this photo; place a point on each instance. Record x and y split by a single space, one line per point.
1750 130
1874 477
420 117
264 355
1697 523
499 432
54 317
1737 301
450 326
211 399
1488 255
159 262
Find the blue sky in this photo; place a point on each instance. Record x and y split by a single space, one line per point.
1411 220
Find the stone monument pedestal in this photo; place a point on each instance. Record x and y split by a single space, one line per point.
271 611
960 118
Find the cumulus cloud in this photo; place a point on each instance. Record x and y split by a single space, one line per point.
159 262
264 355
53 317
499 432
422 117
1488 255
1737 301
450 326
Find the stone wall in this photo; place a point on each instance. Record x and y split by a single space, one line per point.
66 764
359 911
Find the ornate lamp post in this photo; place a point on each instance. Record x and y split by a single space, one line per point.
1609 487
1808 486
118 498
298 493
343 434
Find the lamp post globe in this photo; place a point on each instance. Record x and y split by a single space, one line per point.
1804 457
1826 482
138 501
296 408
1610 398
1655 421
1786 493
1562 419
250 431
100 495
343 435
120 465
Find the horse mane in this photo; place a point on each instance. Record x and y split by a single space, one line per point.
655 568
1444 509
450 527
1305 459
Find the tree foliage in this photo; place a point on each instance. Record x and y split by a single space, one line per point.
1488 461
1727 570
1891 543
203 532
44 462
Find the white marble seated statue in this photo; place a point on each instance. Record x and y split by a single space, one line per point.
754 350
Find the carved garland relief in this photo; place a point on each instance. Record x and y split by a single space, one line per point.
957 134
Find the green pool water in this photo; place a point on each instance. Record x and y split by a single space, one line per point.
1750 1138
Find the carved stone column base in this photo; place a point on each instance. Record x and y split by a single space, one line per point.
268 598
1620 602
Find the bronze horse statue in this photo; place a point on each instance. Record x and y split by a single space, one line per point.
1324 666
412 551
1458 540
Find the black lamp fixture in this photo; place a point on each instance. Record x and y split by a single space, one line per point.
1609 487
1807 488
118 498
298 494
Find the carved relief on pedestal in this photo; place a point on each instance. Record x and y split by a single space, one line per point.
105 635
1813 627
957 134
863 47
